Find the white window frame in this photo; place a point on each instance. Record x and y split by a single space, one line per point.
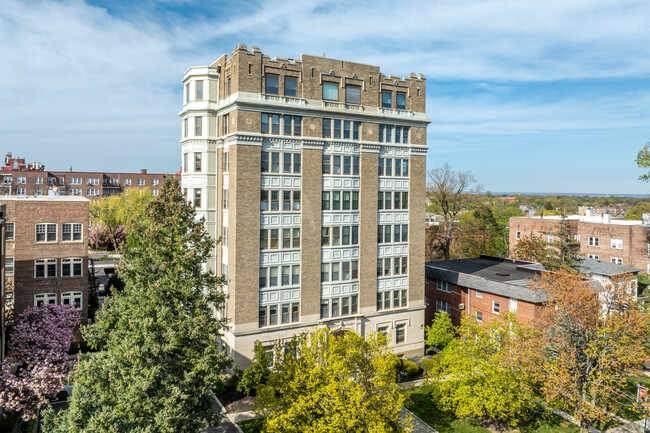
443 306
72 298
21 180
594 241
13 237
92 181
513 305
45 298
617 244
496 307
46 232
127 182
616 260
593 256
479 316
76 231
21 191
443 286
479 294
9 268
72 261
45 263
517 235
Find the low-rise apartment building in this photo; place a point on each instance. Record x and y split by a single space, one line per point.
482 287
46 252
21 179
619 241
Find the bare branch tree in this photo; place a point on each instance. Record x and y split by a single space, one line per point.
451 190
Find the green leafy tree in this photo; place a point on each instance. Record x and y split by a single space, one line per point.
258 372
114 285
643 160
325 383
441 332
160 358
530 249
483 374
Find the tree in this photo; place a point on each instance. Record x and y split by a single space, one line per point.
450 190
441 332
113 216
643 160
484 373
114 285
39 345
258 372
160 356
327 383
592 341
93 291
530 249
563 250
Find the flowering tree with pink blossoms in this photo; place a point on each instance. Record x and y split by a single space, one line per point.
38 360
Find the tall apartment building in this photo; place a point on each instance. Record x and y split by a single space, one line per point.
47 252
601 237
22 179
312 172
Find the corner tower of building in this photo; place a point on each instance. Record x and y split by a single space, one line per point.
312 173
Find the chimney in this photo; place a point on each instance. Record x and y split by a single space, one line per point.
143 171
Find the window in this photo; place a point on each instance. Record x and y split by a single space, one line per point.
74 181
10 231
71 267
513 305
92 191
127 182
198 126
353 94
225 198
479 294
45 268
38 180
617 244
185 128
593 242
386 99
495 307
21 191
290 86
443 286
140 182
226 161
272 84
197 197
197 161
72 298
21 180
6 180
155 182
187 93
393 134
400 102
228 86
617 260
330 91
479 316
593 256
45 232
550 238
400 333
71 232
517 235
154 192
9 265
199 90
225 124
90 181
45 299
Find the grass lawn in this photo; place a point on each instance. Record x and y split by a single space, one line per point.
421 404
252 426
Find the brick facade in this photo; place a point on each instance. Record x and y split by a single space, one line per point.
27 288
3 246
631 242
92 185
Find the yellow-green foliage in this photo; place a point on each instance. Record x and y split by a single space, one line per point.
482 375
327 384
120 209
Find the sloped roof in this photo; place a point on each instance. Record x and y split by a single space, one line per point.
589 266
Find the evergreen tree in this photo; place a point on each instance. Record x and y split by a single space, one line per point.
564 250
160 358
93 291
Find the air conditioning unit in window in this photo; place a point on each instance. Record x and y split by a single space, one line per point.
461 306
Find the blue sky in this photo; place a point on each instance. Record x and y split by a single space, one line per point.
530 96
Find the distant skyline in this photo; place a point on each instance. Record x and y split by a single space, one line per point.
529 96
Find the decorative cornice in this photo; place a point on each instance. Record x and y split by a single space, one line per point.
370 147
244 139
312 144
416 149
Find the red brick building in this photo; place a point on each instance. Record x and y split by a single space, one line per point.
619 241
19 178
483 287
3 216
46 252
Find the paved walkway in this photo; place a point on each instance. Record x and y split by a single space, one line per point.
419 426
